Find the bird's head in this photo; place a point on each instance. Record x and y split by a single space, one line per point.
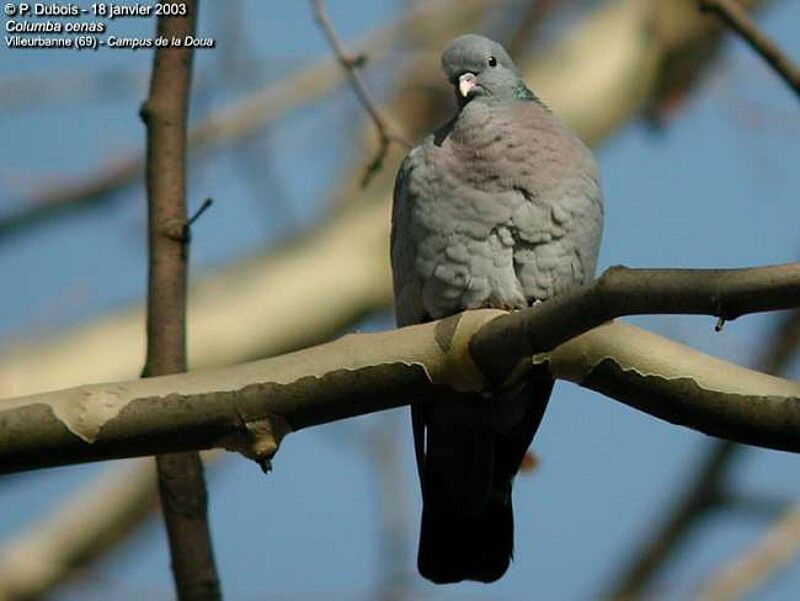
478 66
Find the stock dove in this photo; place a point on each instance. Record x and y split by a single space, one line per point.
500 207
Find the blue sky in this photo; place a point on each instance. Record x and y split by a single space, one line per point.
717 188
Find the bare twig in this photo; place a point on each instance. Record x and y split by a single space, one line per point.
735 16
776 549
180 475
350 64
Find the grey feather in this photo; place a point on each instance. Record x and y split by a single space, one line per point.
500 208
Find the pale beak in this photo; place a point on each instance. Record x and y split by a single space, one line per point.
466 83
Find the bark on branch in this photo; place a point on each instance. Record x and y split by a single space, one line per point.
180 476
250 407
723 293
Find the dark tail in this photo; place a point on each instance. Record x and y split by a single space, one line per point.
457 547
469 449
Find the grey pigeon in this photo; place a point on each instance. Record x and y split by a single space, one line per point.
500 207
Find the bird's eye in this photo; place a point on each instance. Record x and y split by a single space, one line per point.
492 62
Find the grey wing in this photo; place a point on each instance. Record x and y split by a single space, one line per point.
407 285
557 237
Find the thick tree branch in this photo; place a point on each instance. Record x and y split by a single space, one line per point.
736 17
724 293
672 382
180 476
250 407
